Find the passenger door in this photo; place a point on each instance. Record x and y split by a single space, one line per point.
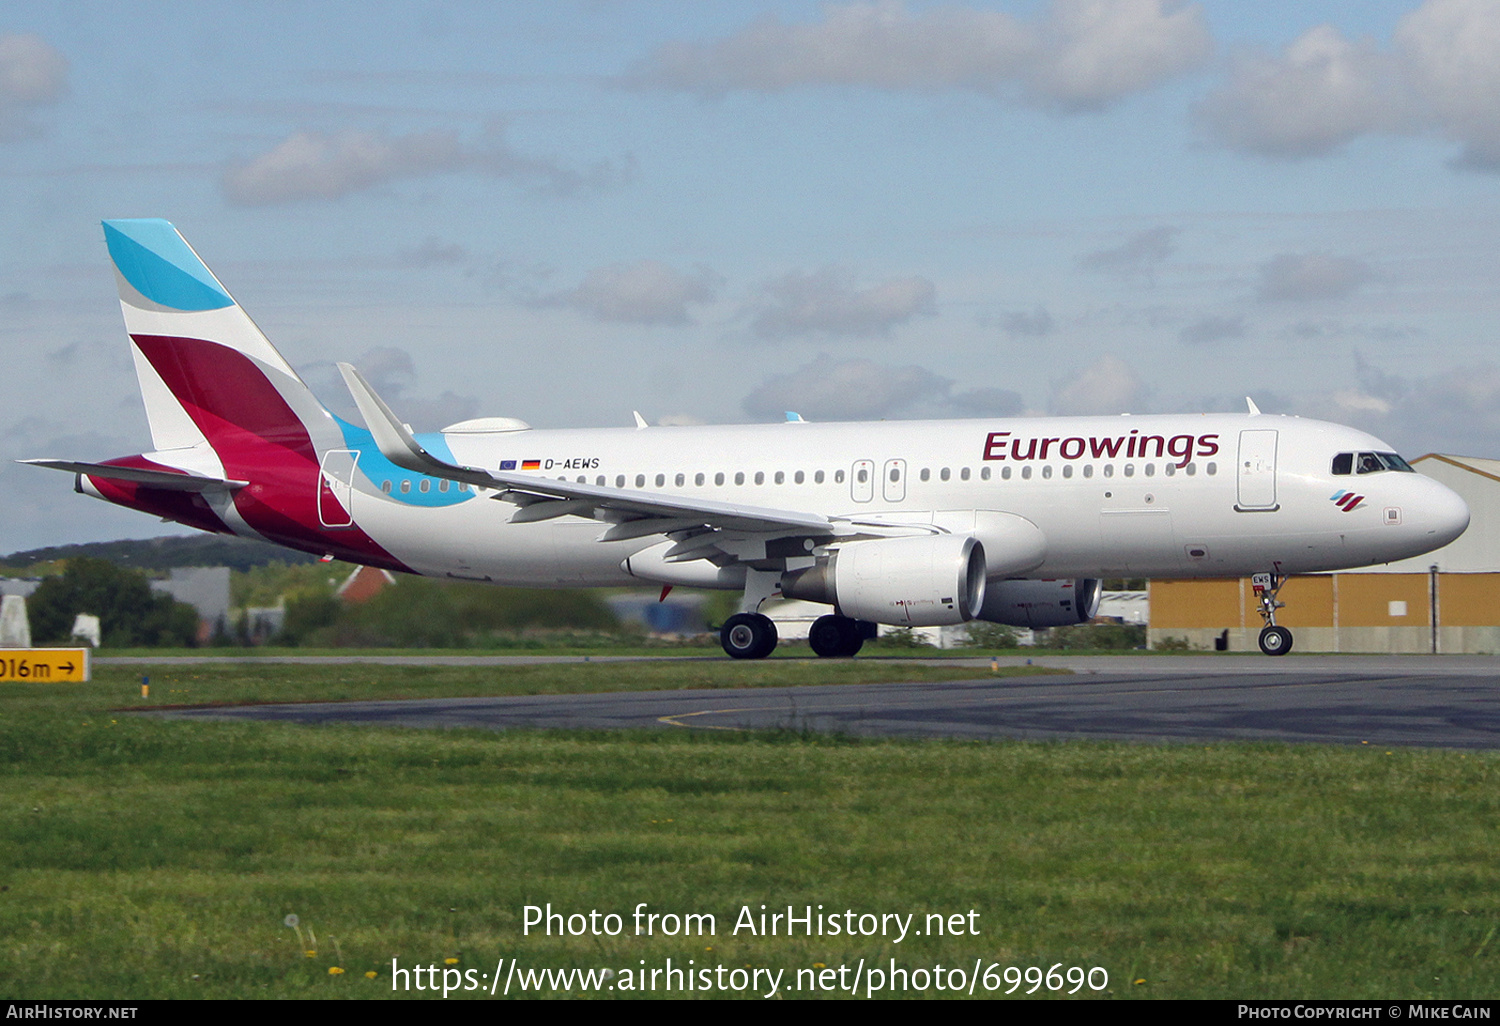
1257 471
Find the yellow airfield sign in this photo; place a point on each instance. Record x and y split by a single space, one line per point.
44 665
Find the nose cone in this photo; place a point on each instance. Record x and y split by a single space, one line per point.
1444 515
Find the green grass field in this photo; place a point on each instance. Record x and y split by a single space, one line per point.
147 858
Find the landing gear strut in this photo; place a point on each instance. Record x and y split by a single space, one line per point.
833 637
1274 640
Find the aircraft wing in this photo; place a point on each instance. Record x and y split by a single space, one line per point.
178 482
634 514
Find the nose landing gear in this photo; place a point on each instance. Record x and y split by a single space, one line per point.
1274 640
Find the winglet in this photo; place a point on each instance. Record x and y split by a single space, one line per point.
1254 410
794 418
640 422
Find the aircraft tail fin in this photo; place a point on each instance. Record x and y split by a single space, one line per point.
207 373
241 442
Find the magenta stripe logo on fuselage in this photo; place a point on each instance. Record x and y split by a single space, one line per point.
1347 501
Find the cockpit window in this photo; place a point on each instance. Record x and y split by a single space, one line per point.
1369 463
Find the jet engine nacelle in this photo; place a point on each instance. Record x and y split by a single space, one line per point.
930 581
1040 603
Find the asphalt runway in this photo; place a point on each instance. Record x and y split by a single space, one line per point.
1438 702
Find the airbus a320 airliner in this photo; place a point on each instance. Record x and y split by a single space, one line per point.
914 523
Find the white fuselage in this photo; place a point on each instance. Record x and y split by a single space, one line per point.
1160 496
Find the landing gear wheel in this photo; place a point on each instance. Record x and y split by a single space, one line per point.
748 636
1275 641
834 637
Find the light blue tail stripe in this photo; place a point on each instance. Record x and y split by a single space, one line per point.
161 266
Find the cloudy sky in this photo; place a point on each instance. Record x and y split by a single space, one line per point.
716 212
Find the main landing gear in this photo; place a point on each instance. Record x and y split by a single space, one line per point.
834 637
748 636
1274 640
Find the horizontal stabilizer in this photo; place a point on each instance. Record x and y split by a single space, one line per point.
178 482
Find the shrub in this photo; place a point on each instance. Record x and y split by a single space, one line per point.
1107 636
983 634
129 612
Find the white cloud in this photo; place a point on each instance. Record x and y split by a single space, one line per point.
1141 253
1081 54
1311 276
433 252
1440 75
391 373
829 389
1324 91
1451 52
1095 51
1106 386
32 74
1453 410
640 292
827 301
1213 328
1020 324
315 165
